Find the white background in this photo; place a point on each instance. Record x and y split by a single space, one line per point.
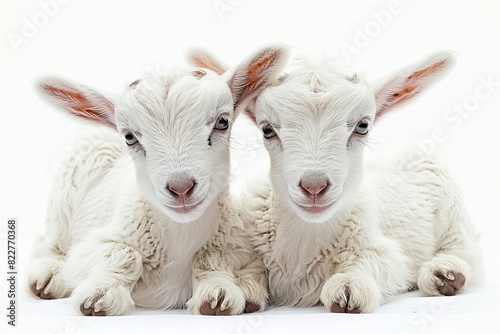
107 44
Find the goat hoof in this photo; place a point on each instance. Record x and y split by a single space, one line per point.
336 308
251 307
206 309
452 283
40 293
90 311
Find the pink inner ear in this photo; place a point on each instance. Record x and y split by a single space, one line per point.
205 63
256 68
426 71
75 100
78 104
402 95
411 87
254 77
64 94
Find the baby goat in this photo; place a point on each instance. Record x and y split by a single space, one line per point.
166 235
329 235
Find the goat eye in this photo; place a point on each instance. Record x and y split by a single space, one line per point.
362 128
268 131
222 123
130 139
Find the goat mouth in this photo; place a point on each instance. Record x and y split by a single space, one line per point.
184 209
315 208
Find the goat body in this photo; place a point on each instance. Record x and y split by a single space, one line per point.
161 232
394 236
327 233
105 228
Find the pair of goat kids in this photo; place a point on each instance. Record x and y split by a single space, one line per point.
164 232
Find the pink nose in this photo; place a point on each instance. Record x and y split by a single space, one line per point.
314 187
181 188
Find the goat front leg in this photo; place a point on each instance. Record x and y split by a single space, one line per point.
104 278
216 293
220 292
49 250
350 293
457 264
364 278
253 281
228 277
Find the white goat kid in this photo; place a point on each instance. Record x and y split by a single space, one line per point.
167 235
329 235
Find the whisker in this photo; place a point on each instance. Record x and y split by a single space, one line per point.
372 149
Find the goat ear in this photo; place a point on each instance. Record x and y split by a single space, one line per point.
78 100
411 80
203 58
248 79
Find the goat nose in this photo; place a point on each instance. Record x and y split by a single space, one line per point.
181 188
314 187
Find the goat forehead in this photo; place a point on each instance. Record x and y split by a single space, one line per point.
319 71
174 104
199 98
294 104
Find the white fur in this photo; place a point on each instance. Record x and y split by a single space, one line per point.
366 237
116 236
